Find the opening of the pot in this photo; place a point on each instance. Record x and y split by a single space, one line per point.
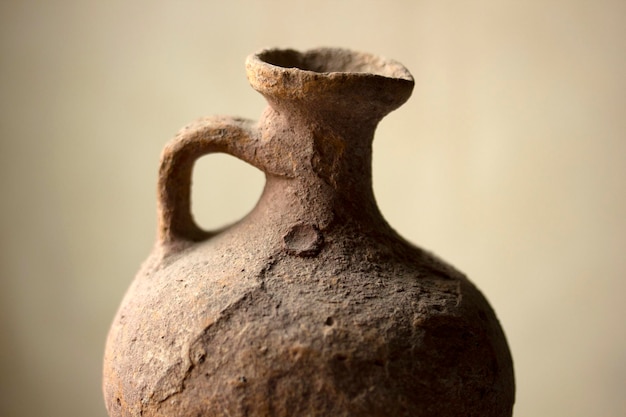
334 60
331 80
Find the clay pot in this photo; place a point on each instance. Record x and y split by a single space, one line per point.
312 305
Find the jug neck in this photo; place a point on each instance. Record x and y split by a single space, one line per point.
322 163
316 135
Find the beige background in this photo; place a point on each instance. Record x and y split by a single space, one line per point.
509 161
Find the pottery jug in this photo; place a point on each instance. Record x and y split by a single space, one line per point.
311 305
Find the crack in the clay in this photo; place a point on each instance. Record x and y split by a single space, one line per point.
173 383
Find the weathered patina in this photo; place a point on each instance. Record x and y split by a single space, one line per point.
311 305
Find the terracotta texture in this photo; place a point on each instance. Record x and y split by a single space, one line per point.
312 305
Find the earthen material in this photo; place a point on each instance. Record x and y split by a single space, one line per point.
312 305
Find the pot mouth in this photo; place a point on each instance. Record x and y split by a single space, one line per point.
327 61
329 78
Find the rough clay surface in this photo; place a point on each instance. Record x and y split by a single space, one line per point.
311 305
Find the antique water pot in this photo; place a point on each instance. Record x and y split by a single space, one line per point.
311 305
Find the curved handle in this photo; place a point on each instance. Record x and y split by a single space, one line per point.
230 135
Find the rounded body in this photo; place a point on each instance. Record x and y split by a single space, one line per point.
311 305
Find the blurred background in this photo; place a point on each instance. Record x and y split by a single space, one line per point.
509 161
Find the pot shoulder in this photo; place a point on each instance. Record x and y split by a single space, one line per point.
340 333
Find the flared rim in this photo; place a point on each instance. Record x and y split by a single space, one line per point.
329 61
331 75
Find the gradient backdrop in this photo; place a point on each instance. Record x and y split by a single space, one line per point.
509 161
